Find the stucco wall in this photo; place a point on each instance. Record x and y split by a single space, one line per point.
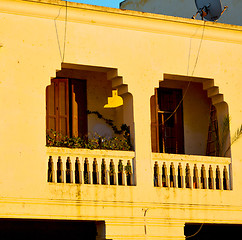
141 48
183 8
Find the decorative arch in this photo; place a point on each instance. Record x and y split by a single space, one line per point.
195 113
98 83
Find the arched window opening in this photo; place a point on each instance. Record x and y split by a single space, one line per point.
189 116
75 112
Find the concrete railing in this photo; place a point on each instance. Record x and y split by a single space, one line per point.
84 166
191 171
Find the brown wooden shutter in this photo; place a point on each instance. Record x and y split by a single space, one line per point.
154 123
50 109
171 131
79 107
57 106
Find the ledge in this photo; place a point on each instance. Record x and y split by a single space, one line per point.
89 153
190 158
124 19
134 13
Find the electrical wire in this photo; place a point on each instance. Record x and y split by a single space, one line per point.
62 54
56 31
195 65
64 47
196 232
145 224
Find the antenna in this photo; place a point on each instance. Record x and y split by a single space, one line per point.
209 9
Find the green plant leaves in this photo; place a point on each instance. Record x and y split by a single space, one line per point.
96 142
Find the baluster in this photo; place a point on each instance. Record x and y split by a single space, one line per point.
164 175
120 173
172 175
218 178
95 171
188 176
225 179
124 174
99 169
86 172
60 174
103 172
107 171
195 177
203 177
112 172
82 161
77 171
69 176
180 176
51 173
156 174
128 171
210 178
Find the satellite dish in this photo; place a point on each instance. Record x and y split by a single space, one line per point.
209 9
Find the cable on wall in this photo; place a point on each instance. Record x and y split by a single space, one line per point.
62 54
64 47
195 65
196 232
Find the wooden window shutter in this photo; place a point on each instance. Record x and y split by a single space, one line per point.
154 123
171 133
78 94
50 108
57 106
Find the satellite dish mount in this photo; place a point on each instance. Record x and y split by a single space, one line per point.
209 9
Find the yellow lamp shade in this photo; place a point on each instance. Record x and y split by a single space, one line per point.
114 101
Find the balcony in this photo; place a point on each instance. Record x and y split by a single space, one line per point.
85 166
191 171
108 167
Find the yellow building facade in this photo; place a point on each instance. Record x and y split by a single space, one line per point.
177 77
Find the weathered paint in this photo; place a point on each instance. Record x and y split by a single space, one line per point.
136 52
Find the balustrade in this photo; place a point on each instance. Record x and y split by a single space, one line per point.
187 171
90 167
